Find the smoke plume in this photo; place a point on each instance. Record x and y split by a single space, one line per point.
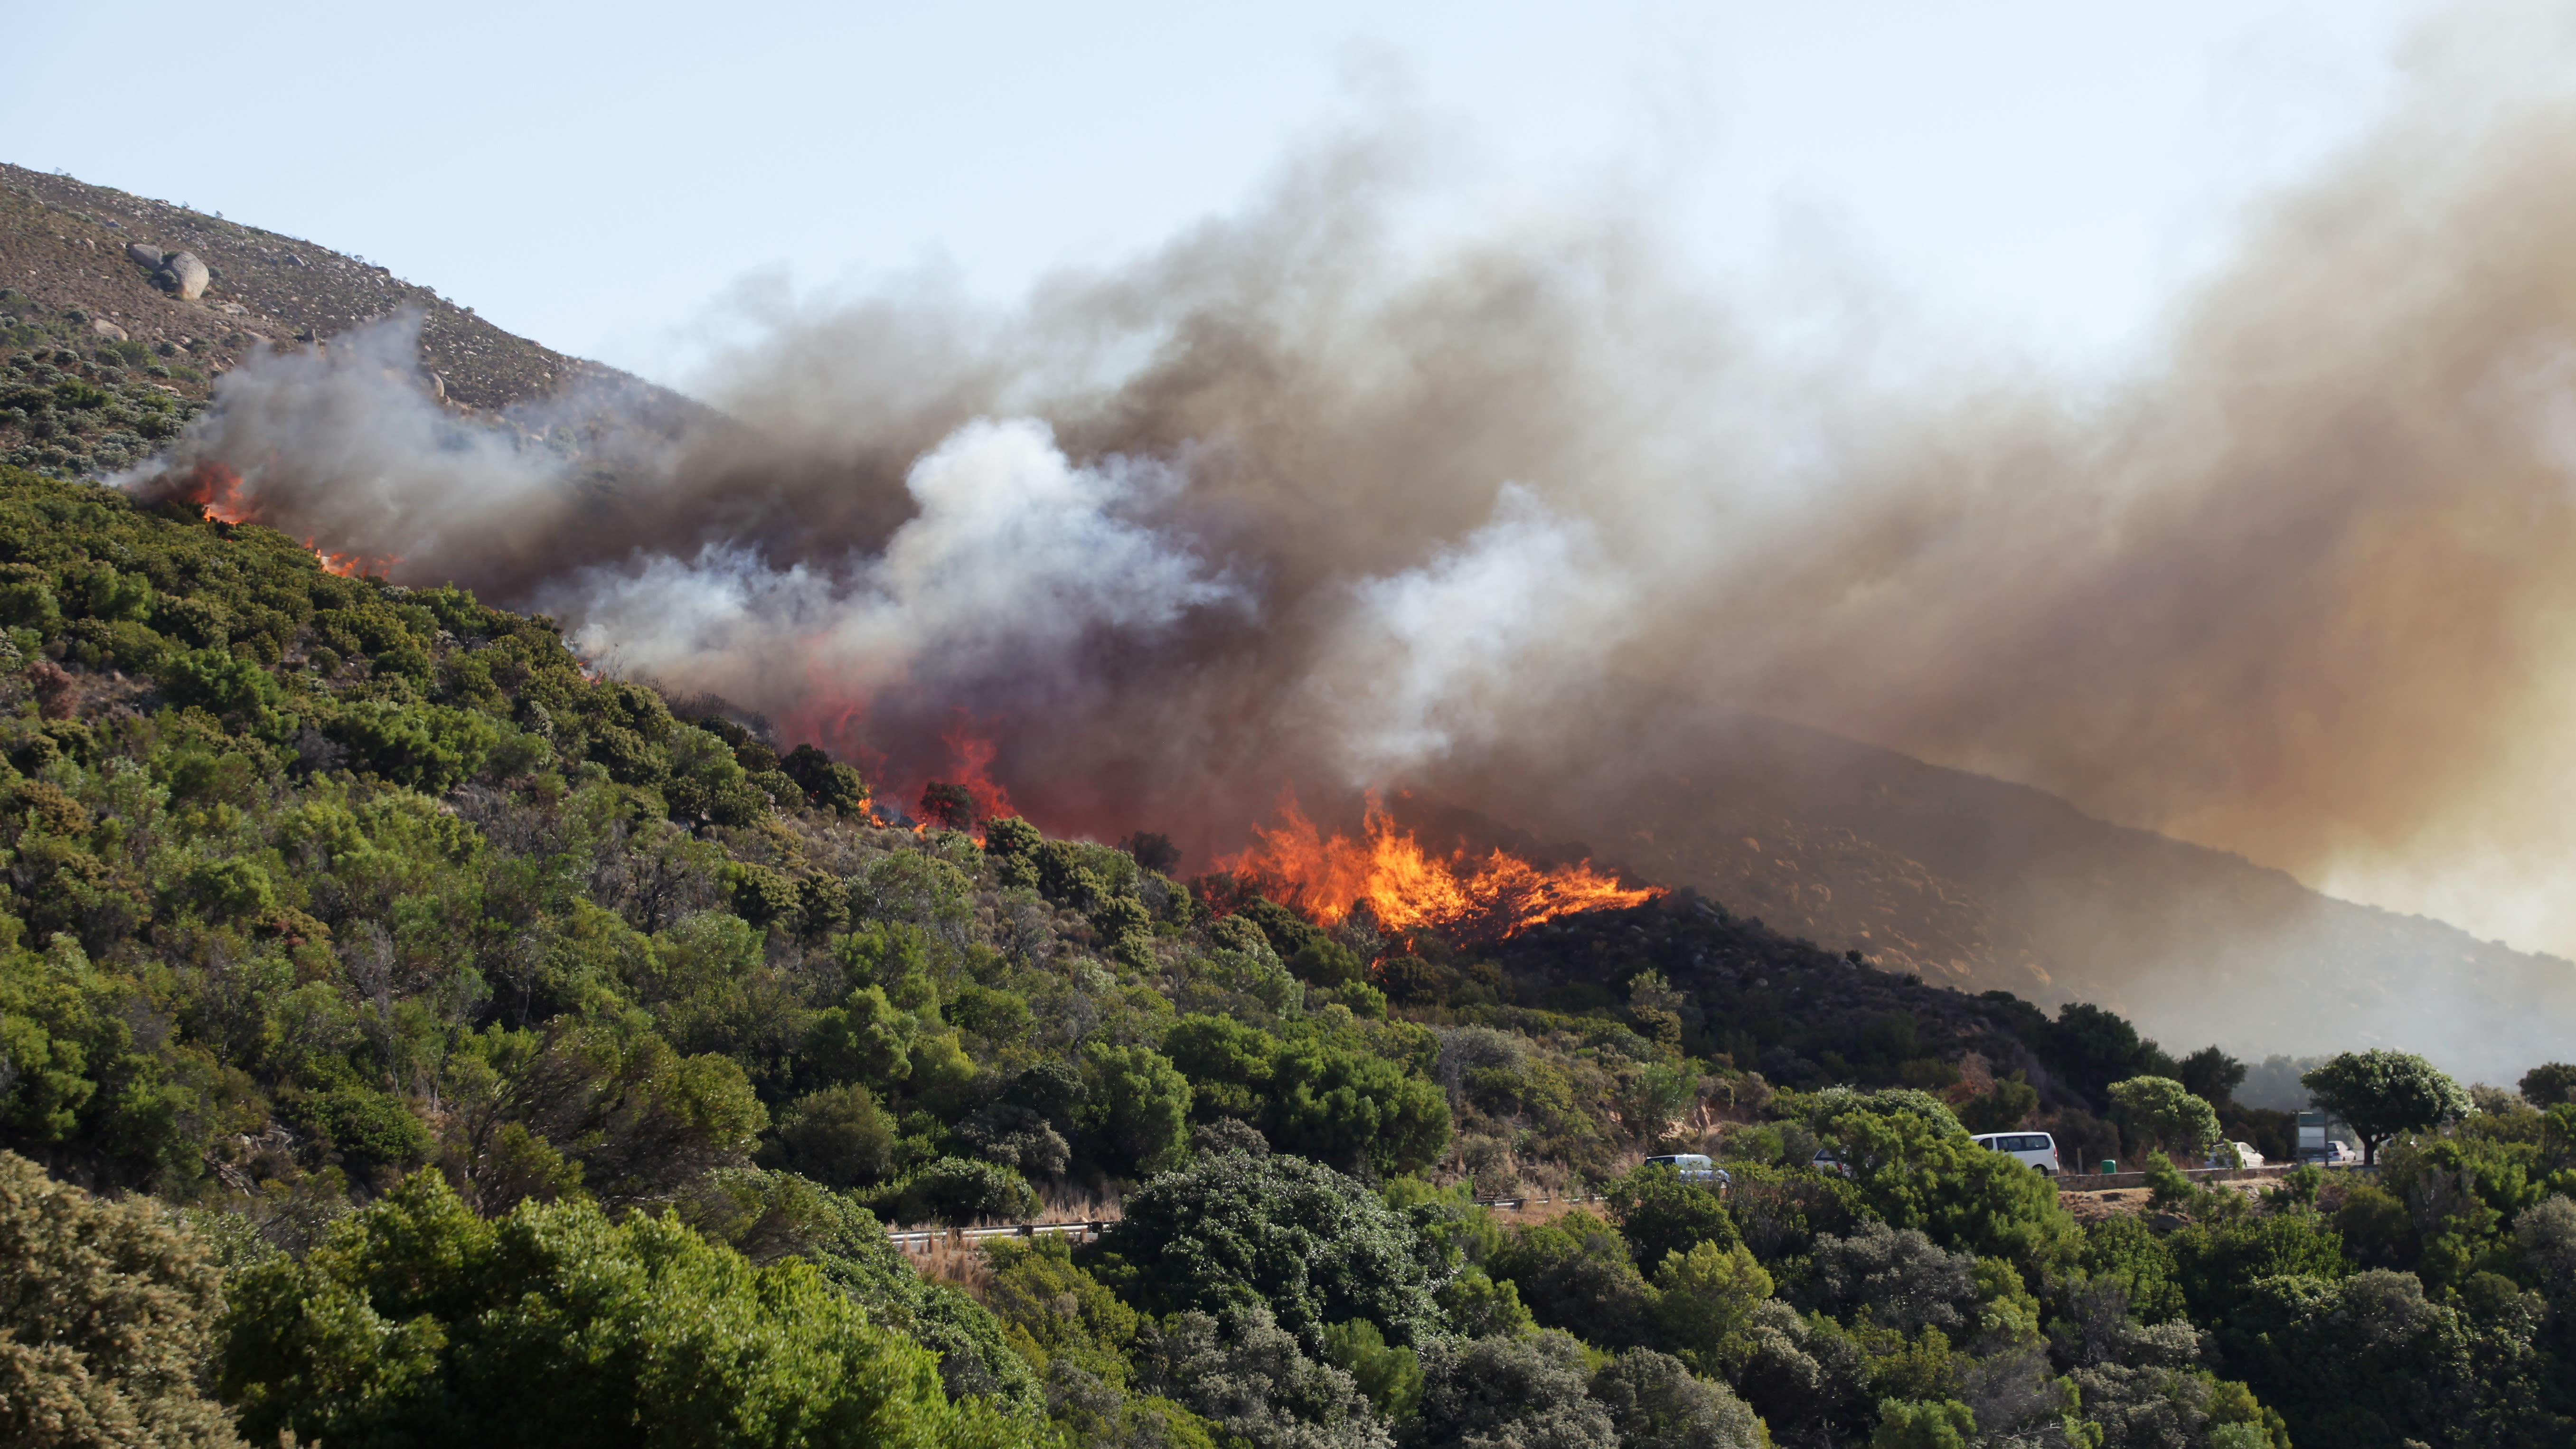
1300 499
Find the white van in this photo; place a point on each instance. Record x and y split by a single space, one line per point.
2036 1148
1692 1167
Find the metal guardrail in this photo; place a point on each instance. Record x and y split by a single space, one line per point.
1515 1204
2106 1181
913 1240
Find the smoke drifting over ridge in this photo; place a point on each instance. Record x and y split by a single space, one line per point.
1295 500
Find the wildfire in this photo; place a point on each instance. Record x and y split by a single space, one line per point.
212 487
218 490
1409 888
975 771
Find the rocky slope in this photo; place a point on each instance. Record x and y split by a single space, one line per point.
64 248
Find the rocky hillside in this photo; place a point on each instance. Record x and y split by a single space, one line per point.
67 246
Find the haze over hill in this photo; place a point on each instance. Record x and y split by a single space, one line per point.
1986 885
1360 519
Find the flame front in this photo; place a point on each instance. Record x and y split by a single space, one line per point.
1408 888
218 490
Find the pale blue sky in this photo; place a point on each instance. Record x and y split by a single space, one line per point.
597 176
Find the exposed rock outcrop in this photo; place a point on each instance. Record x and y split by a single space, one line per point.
183 274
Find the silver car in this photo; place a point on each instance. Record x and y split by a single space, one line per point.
1692 1167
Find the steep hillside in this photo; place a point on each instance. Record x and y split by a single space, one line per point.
1989 885
63 245
1966 880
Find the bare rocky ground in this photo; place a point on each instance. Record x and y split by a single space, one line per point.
74 301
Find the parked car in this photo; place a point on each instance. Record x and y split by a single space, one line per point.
2339 1153
1693 1167
2035 1148
2246 1156
1825 1161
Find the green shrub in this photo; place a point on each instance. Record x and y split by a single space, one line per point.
961 1193
415 1321
1234 1230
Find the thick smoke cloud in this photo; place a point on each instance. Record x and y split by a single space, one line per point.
1303 498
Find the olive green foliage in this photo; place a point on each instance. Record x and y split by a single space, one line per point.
1947 1424
106 1314
1577 1274
769 1216
417 1321
2001 1107
2550 1084
1390 1374
2167 1114
2380 1093
2373 1359
1533 1390
1336 1096
1659 1214
1914 1171
1312 1245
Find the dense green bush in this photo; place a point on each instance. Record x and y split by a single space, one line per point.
1310 1245
418 1322
106 1317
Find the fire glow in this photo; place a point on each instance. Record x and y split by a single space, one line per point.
217 489
1408 888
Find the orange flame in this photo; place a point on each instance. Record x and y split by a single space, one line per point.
1408 888
218 490
214 488
975 771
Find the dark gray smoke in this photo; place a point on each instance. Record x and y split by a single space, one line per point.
1298 498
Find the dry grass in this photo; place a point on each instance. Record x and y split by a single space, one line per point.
956 1260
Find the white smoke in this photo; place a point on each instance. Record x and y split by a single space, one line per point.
345 446
1446 654
1014 556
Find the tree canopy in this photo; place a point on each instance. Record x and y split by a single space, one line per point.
2380 1093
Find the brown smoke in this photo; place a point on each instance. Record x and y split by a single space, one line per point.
1335 507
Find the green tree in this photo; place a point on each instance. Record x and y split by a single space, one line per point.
2549 1084
1575 1273
1499 1391
106 1312
1922 1424
1704 1302
1656 1403
2211 1074
416 1321
1233 1231
2167 1113
1354 1109
1135 1114
1913 1173
838 1136
1390 1374
2381 1093
2003 1107
1659 1214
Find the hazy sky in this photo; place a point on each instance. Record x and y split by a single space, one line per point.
598 177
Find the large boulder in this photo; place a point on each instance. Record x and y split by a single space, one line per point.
146 257
182 273
107 329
